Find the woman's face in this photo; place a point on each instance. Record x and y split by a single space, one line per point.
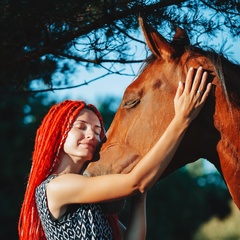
84 136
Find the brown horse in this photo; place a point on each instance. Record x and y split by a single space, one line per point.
147 108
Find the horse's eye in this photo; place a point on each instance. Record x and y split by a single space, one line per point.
131 103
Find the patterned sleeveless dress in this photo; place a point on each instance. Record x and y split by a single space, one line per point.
80 222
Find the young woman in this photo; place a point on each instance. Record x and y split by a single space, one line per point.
60 203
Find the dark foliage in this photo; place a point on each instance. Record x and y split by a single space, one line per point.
41 38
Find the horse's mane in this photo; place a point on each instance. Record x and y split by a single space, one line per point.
228 72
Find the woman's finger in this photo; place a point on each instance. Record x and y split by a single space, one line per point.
189 80
179 90
202 84
206 93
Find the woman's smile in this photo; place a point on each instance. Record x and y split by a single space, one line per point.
87 145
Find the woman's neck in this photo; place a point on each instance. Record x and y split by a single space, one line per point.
67 165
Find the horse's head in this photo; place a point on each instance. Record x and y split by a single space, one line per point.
147 109
147 105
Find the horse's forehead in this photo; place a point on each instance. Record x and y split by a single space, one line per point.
194 58
159 72
155 71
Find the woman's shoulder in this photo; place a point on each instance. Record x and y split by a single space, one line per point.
41 188
64 180
47 180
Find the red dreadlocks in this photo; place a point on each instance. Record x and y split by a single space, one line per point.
50 138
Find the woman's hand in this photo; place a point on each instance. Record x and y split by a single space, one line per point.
189 99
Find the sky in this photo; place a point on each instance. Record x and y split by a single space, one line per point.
113 85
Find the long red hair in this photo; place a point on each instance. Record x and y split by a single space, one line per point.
49 139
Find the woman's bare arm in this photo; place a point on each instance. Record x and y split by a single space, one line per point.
74 188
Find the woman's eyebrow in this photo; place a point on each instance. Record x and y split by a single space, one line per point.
79 120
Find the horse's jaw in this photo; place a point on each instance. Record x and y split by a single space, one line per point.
125 158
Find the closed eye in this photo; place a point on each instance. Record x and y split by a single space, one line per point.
131 103
97 131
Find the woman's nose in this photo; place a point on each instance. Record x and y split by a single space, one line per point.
90 134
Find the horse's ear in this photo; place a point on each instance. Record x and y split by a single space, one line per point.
159 46
180 37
